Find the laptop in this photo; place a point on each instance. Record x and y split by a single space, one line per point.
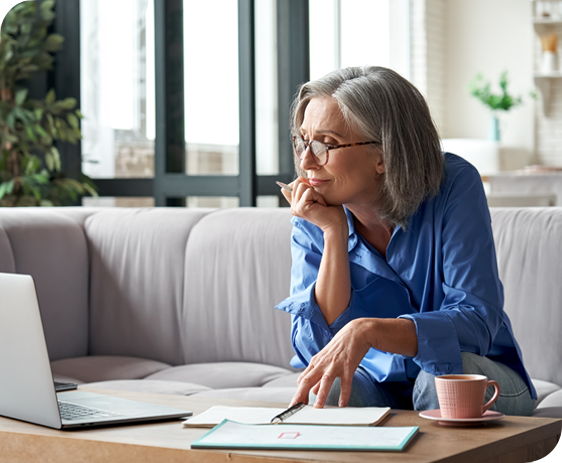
27 389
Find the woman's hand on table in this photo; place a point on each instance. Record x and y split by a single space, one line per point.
343 354
308 204
339 359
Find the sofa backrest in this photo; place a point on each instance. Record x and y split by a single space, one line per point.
199 285
50 245
137 262
169 284
529 249
190 285
238 265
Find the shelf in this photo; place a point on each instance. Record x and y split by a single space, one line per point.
548 75
545 25
543 82
547 21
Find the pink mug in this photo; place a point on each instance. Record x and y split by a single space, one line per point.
462 396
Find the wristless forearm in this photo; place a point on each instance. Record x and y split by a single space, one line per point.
333 286
393 335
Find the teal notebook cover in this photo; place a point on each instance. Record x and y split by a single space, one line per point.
233 435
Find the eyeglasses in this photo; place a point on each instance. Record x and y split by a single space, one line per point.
320 150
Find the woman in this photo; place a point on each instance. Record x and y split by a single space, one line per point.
394 277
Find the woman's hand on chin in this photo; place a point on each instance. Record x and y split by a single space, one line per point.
339 359
310 205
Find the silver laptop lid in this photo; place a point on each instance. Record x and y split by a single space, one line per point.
27 389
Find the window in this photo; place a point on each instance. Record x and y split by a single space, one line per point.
267 111
357 33
188 102
117 88
211 86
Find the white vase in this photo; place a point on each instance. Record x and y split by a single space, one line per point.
549 63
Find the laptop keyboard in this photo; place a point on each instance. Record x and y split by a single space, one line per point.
72 412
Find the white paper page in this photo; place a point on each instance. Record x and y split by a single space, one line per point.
315 436
340 416
247 415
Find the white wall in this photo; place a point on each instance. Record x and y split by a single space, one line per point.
488 36
427 25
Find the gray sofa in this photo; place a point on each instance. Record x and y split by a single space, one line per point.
181 301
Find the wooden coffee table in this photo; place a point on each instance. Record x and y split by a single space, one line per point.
513 439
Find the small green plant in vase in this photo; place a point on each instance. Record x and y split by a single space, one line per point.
30 164
480 88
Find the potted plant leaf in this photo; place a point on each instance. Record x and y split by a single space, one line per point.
480 88
30 164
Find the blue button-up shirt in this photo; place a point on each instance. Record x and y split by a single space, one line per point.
440 272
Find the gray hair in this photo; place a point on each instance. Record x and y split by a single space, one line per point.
382 106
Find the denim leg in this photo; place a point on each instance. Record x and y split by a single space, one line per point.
366 392
515 397
424 396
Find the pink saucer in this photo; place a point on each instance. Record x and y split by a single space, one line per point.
436 415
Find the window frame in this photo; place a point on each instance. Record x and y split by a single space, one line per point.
170 185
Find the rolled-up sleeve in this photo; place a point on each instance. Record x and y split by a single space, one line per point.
310 331
471 312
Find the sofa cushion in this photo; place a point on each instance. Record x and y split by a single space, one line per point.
263 394
148 385
553 400
221 375
284 381
528 245
105 367
544 389
137 261
237 268
52 248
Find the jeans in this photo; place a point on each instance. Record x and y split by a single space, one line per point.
515 397
366 392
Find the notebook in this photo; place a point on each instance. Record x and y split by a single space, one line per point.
305 414
232 435
27 389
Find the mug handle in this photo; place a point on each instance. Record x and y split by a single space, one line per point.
494 397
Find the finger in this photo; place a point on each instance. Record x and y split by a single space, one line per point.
288 195
314 390
312 196
299 181
302 393
299 190
298 398
302 179
325 386
307 371
345 390
321 201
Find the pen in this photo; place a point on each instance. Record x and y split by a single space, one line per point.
287 413
285 187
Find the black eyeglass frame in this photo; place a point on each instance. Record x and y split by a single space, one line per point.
327 147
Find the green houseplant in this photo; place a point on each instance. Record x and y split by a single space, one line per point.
480 88
30 166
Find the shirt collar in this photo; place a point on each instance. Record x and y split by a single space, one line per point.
352 242
360 254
